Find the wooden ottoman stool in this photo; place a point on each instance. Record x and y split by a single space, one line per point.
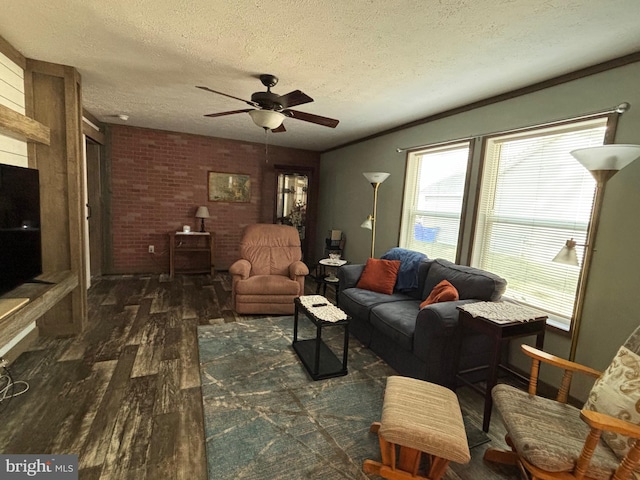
418 417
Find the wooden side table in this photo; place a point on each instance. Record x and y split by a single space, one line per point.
501 331
192 244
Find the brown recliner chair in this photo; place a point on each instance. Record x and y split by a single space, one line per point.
270 273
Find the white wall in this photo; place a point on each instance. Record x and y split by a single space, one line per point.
12 151
612 305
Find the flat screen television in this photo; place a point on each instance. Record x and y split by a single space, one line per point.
20 241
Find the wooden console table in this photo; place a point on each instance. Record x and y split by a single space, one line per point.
194 244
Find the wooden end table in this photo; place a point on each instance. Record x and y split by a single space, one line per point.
500 332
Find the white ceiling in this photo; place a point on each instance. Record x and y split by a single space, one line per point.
372 64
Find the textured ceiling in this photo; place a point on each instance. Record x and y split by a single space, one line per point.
371 64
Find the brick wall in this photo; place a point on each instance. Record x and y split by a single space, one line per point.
159 178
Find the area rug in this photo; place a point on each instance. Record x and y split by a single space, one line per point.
266 419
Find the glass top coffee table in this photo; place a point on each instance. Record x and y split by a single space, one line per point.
316 356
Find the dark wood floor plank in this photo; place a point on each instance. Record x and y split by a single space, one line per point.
106 339
161 301
150 349
95 448
139 323
92 473
189 360
190 455
188 309
152 287
133 424
172 338
164 447
168 400
84 398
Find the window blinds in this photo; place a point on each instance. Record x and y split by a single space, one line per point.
534 197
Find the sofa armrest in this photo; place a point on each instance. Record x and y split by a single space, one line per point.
349 275
240 268
298 269
443 316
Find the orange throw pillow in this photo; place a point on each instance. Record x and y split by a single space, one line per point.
442 292
379 275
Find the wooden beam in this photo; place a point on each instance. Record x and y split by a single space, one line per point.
93 134
16 125
14 55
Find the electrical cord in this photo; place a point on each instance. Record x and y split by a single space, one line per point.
8 385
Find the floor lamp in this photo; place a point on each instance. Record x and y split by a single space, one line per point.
375 178
603 162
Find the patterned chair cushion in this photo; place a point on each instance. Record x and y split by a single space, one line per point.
617 393
549 434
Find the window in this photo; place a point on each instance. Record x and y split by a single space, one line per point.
534 196
432 206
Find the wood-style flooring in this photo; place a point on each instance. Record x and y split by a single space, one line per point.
125 394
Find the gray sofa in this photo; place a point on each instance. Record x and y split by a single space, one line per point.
421 343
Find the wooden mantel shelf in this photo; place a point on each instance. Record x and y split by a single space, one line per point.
16 125
42 297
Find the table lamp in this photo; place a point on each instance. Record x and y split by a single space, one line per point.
202 213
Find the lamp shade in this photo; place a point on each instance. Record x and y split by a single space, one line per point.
607 157
267 118
202 212
367 223
376 177
567 254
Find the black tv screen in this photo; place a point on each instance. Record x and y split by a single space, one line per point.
20 242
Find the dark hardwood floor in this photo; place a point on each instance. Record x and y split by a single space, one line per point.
125 394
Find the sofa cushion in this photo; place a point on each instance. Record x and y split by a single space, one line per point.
379 275
442 292
268 285
396 320
357 302
469 281
551 434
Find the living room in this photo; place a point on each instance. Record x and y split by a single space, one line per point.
610 304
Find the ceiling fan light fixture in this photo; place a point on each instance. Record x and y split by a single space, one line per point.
267 118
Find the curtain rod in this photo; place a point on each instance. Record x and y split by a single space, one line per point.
623 107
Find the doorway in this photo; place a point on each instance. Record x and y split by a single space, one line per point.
292 199
94 207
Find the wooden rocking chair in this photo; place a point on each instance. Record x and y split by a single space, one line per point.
550 439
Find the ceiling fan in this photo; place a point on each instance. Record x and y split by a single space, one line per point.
270 109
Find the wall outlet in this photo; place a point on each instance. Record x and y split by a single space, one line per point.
152 249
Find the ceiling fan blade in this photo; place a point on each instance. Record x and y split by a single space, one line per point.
248 102
222 114
279 129
294 98
309 117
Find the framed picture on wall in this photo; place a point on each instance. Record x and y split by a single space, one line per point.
229 187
